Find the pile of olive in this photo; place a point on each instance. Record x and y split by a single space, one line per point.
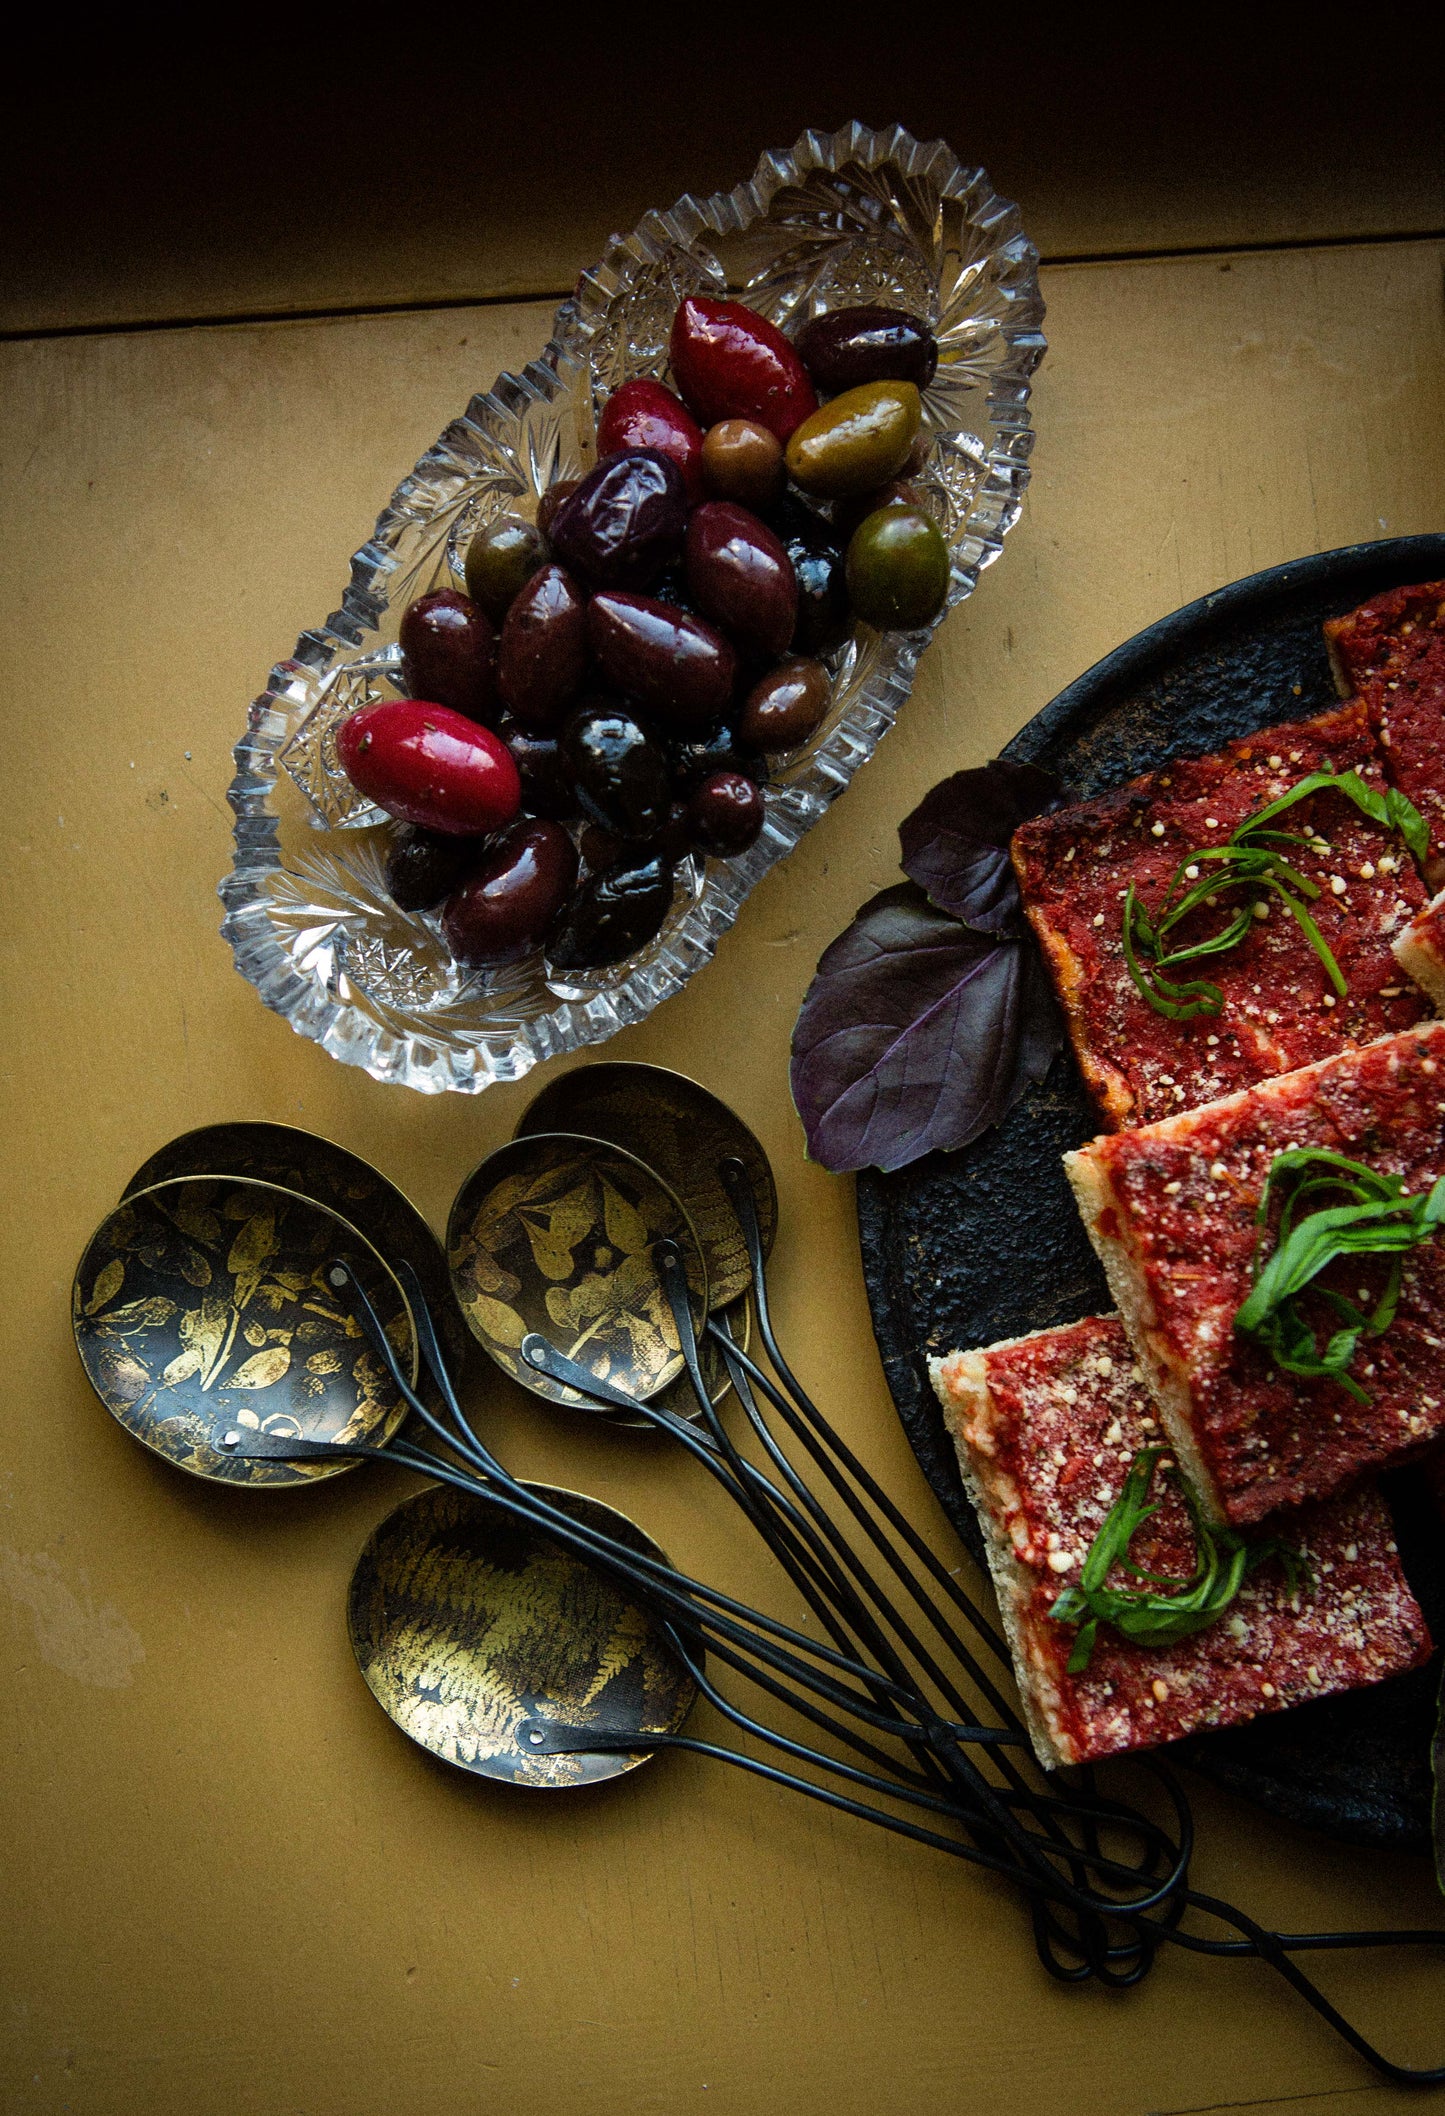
604 699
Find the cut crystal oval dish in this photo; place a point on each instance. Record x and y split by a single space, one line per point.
855 216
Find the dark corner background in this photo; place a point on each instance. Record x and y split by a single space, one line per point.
443 161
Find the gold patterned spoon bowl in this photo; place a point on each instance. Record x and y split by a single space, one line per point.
471 1626
204 1305
555 1235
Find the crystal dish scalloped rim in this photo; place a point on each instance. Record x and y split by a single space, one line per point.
851 216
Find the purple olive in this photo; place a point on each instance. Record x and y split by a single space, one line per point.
542 654
423 866
613 914
677 666
449 653
852 346
742 576
510 904
625 521
618 773
546 788
725 815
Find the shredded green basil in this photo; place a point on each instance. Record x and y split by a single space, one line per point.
1161 1609
1250 861
1374 1218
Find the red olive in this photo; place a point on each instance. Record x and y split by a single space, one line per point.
542 653
677 666
624 522
516 895
645 414
731 363
742 576
725 815
426 764
449 653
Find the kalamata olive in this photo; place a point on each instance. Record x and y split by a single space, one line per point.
725 815
852 346
549 501
542 654
625 521
613 914
501 558
742 460
423 868
823 611
855 441
787 706
619 774
898 569
741 575
676 666
546 788
690 762
449 653
425 764
513 899
731 363
646 414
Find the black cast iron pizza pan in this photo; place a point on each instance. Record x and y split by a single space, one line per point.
962 1249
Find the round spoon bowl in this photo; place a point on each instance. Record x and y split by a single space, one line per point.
681 1130
202 1305
554 1233
469 1626
318 1168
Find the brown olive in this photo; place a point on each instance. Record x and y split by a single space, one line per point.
424 866
742 460
501 559
725 815
787 706
513 899
449 653
613 914
542 653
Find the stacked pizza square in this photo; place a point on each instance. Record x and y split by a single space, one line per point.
1265 1061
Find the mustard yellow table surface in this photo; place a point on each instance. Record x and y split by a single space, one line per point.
230 1885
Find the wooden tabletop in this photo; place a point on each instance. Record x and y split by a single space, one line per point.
231 1885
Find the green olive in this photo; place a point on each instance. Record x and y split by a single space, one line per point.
501 559
898 568
856 441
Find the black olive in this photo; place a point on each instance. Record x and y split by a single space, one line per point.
618 772
612 915
424 866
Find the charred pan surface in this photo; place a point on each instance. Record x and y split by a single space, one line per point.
1279 1008
1046 1429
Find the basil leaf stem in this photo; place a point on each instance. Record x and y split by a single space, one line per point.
1161 1609
1249 860
1376 1218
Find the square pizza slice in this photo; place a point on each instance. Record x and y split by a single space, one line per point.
1279 1008
1173 1211
1391 654
1420 950
1047 1428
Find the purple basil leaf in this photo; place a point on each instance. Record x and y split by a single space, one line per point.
955 843
916 1035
